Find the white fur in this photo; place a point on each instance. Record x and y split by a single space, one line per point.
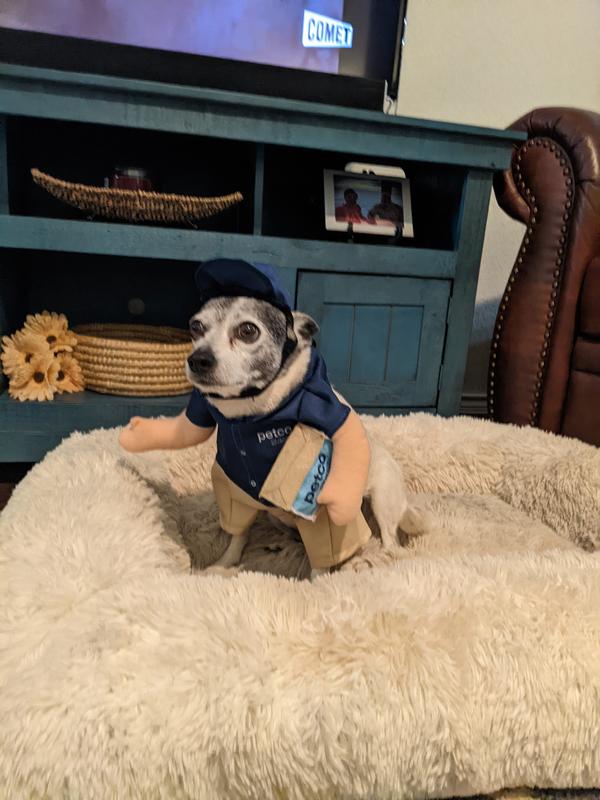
236 361
233 555
272 397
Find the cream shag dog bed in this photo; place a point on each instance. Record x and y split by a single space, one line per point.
470 664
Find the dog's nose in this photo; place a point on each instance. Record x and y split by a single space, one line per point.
201 360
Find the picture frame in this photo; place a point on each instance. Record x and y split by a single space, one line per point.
378 205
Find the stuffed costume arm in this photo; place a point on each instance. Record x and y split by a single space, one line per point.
171 433
344 488
328 411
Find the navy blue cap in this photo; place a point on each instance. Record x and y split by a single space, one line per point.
230 277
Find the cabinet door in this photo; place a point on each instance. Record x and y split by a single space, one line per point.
382 338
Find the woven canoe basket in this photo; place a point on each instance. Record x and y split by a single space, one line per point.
132 204
138 360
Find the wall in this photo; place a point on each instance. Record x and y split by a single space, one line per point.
487 62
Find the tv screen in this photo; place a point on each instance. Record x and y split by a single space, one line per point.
353 38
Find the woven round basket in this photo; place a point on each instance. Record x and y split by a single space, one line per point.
132 204
140 360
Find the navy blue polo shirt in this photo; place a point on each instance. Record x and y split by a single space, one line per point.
248 446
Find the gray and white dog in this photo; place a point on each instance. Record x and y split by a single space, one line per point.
252 378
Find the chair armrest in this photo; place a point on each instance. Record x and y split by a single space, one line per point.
553 187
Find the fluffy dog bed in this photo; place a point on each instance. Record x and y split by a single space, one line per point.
468 665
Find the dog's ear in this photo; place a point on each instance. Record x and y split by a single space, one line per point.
304 326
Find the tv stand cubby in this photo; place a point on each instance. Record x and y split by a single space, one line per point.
395 317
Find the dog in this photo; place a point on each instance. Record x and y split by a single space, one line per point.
254 377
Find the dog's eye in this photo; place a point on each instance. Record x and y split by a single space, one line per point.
197 329
247 332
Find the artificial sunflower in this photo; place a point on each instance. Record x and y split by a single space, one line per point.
69 377
19 349
53 328
34 380
38 361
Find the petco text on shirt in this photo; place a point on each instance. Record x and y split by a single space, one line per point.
275 435
320 31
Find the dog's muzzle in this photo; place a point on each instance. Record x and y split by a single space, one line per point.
201 361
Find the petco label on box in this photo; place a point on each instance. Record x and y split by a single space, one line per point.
320 31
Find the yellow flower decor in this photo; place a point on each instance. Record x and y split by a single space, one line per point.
69 377
19 349
53 328
38 361
34 380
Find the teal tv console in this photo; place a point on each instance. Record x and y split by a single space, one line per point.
395 318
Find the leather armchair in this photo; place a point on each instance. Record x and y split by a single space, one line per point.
545 354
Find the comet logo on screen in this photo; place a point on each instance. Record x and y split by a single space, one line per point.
320 31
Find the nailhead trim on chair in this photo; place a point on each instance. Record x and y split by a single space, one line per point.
530 199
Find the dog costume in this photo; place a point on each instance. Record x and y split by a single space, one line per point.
282 451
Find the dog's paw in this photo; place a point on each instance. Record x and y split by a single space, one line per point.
224 572
415 521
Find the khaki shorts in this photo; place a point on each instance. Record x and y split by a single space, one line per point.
326 544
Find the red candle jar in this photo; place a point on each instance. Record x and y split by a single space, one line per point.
130 178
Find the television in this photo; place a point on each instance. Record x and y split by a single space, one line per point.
344 52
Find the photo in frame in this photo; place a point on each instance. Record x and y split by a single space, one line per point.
367 203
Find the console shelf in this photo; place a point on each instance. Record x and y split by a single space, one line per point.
395 317
139 241
25 427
